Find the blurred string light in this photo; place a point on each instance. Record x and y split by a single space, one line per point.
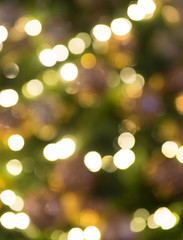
138 224
85 37
171 14
121 26
60 150
92 233
3 34
88 60
93 161
18 204
179 154
11 70
48 57
76 234
15 142
108 164
8 197
69 72
61 52
101 32
151 223
76 45
8 98
33 88
165 218
124 158
14 167
143 9
50 77
128 75
169 149
126 140
33 27
11 220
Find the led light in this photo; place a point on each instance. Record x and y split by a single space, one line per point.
8 197
8 98
76 45
136 12
61 52
11 70
3 34
22 220
75 234
93 161
124 158
169 149
179 154
65 148
50 152
14 167
33 27
128 75
92 233
18 204
126 140
69 72
121 26
15 142
8 220
34 87
48 57
138 224
102 32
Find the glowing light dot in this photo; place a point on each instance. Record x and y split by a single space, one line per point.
76 45
164 218
50 152
65 148
22 220
93 161
142 213
124 158
128 75
179 154
69 72
8 220
11 70
18 204
126 140
8 197
138 224
61 52
135 12
108 164
14 167
169 149
34 87
148 6
121 26
102 32
151 223
8 98
88 60
85 37
92 233
3 34
171 14
48 57
33 27
15 142
75 234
